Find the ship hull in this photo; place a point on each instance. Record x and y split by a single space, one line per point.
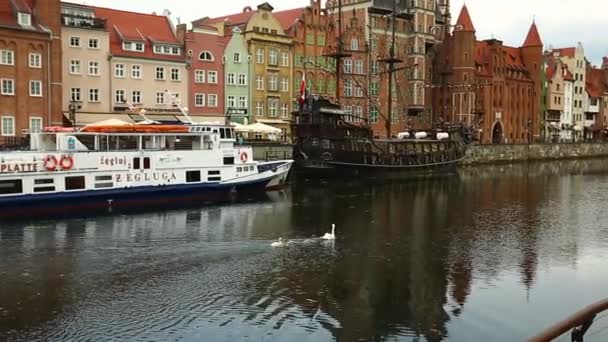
337 170
61 203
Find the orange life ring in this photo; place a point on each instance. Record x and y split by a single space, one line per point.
66 162
50 163
243 157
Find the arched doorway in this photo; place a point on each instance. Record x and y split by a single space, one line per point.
497 133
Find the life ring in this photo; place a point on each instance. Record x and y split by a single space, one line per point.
50 163
243 157
340 123
66 162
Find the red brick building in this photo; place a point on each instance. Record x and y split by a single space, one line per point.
30 66
205 50
488 85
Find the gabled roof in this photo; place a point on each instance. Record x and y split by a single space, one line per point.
533 38
567 74
230 20
9 10
566 52
139 27
551 68
288 18
595 83
464 22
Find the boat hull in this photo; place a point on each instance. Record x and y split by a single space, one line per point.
335 170
26 206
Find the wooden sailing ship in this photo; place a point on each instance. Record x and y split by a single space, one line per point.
329 141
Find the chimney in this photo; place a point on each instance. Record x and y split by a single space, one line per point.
180 32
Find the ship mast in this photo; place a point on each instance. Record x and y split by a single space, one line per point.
339 53
391 61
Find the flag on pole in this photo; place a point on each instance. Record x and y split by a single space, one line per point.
302 98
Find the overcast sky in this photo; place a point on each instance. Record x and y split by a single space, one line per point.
561 23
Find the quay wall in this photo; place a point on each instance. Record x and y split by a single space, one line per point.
496 154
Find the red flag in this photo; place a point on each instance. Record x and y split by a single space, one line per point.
303 89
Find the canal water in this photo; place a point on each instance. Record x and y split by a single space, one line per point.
487 254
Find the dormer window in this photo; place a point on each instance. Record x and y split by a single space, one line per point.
167 50
133 46
25 19
206 56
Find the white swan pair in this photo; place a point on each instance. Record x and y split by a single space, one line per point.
327 236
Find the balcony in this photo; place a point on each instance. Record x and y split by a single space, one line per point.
73 20
554 115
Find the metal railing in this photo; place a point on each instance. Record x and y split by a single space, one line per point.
14 143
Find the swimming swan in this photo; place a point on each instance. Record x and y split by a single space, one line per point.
280 243
331 236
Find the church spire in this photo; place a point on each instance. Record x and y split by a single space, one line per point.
464 22
533 38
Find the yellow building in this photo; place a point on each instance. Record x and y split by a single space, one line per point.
272 98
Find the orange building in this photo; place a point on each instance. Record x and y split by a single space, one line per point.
488 85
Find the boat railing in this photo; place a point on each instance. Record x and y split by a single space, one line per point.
577 324
14 143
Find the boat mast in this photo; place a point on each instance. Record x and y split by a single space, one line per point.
391 61
339 53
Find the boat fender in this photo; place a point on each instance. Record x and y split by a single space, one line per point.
50 163
66 162
243 156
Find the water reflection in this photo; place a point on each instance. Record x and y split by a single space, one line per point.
477 256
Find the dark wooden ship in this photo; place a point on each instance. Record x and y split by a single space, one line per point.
326 144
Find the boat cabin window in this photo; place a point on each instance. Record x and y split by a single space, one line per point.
146 163
44 185
226 133
228 160
136 163
11 186
193 176
102 182
74 183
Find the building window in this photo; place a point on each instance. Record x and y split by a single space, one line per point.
359 113
8 126
259 56
206 56
212 100
25 19
119 96
273 82
133 46
93 43
373 88
310 39
259 108
359 67
273 57
35 88
35 60
284 84
348 88
167 50
273 107
358 91
75 94
348 66
259 81
119 70
375 67
199 100
136 71
284 59
160 97
7 57
175 74
199 76
354 44
160 73
242 102
75 66
373 114
35 124
321 86
74 41
231 101
321 39
231 78
93 68
242 79
136 96
236 57
285 110
8 87
93 95
212 77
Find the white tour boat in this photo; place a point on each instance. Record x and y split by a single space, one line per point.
124 165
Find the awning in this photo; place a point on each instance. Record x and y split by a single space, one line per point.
258 128
273 121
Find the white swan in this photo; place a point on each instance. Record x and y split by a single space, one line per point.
331 236
280 243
